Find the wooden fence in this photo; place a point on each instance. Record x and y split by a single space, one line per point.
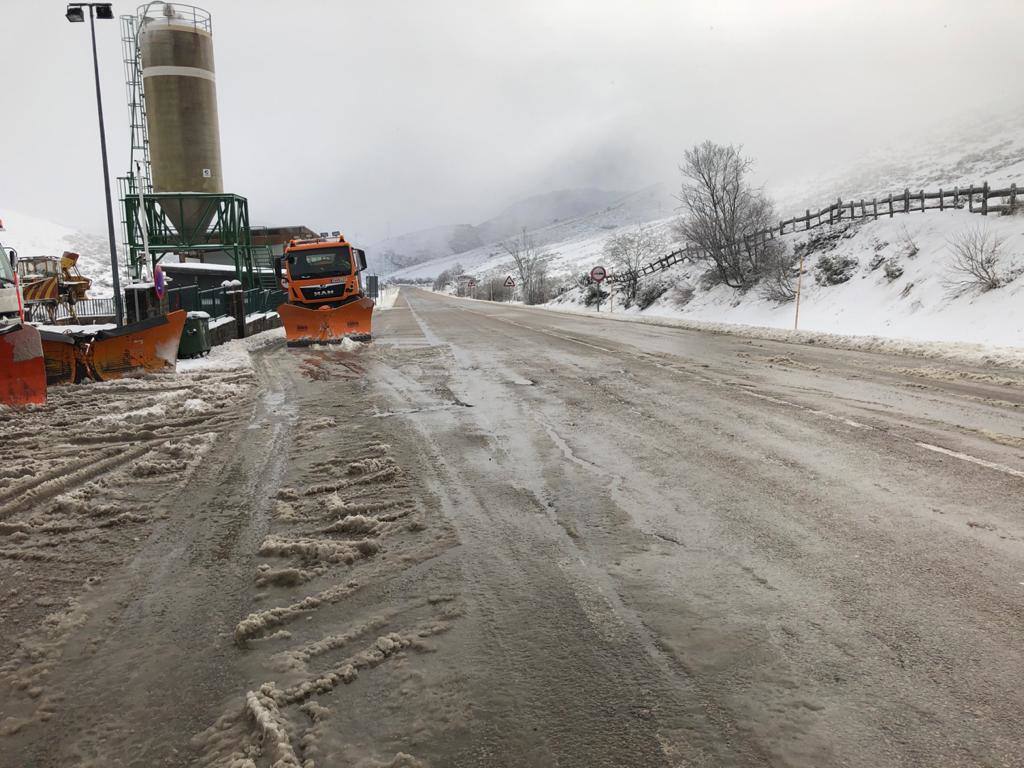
975 199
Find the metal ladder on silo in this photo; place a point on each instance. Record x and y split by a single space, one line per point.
136 102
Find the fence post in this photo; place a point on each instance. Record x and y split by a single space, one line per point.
984 199
906 200
1013 198
874 206
890 205
956 196
922 201
807 221
852 217
235 299
942 200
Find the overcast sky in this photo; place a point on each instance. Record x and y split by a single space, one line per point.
381 116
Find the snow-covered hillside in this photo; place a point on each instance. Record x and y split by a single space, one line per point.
989 150
918 303
573 241
550 217
32 236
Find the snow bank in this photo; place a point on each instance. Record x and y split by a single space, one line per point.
387 297
234 355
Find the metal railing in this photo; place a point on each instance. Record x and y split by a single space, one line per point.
86 310
184 297
175 13
263 300
213 302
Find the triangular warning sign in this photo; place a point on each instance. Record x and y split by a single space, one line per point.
509 282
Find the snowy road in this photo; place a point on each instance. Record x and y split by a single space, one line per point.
507 537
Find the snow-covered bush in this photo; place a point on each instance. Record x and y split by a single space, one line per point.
833 270
594 294
977 262
893 270
907 243
649 292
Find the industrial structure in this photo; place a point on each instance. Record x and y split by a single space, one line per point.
173 199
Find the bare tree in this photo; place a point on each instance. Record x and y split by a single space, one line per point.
720 207
628 252
531 262
447 276
977 261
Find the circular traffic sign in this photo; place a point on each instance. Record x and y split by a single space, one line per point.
597 274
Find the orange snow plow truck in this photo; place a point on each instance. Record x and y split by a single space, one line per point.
326 302
22 367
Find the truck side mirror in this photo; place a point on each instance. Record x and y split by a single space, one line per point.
13 256
361 257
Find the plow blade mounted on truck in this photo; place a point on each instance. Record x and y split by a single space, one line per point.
22 371
149 346
330 324
326 303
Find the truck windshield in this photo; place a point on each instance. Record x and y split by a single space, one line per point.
6 273
321 262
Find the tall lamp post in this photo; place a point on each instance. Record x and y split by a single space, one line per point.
76 13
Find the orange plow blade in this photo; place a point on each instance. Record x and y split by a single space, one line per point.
22 371
148 346
61 355
329 325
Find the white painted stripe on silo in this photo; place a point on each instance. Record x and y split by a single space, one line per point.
156 24
178 71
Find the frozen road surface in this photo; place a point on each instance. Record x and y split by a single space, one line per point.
500 536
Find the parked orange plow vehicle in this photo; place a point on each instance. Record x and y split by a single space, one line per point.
22 372
326 301
149 346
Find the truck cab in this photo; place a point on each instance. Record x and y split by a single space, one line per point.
326 303
321 272
10 304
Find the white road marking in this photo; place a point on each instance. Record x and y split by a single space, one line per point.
973 459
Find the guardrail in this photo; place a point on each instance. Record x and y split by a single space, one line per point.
976 199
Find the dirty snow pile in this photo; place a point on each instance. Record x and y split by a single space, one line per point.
234 355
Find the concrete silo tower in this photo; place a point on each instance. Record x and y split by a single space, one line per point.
176 48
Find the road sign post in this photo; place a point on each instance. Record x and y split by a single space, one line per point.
510 283
598 274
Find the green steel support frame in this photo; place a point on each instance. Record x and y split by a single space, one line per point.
221 225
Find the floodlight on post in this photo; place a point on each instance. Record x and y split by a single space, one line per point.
76 13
